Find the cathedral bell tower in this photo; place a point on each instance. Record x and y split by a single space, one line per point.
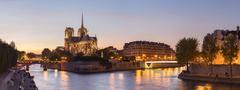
82 31
69 32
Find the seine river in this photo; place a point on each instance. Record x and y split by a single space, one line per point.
148 79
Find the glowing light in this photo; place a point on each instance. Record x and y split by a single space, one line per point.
45 75
204 87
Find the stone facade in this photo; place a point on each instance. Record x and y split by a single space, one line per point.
221 70
145 50
82 43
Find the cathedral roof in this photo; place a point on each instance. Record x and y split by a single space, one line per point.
84 38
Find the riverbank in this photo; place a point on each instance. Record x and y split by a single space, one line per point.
95 67
17 80
220 74
206 78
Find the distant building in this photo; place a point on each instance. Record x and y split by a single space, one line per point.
145 50
220 36
82 43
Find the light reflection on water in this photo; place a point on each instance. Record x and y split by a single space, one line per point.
149 79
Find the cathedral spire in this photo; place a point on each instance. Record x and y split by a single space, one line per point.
82 22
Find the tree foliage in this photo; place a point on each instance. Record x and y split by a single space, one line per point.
63 53
8 56
54 56
45 53
21 55
186 50
230 50
31 55
107 53
209 49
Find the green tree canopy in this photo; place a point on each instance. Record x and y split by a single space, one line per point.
230 50
209 49
31 55
21 55
186 50
54 56
8 56
45 53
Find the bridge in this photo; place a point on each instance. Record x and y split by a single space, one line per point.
45 64
160 63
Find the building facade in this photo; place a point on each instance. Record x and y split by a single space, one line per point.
145 50
220 36
82 43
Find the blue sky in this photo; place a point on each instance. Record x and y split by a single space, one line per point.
36 24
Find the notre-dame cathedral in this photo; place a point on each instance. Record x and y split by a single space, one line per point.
82 43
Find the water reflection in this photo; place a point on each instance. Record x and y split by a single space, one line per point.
148 79
204 87
111 81
45 75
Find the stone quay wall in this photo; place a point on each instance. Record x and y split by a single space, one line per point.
94 67
217 69
165 65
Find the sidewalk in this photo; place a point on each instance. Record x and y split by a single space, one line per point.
14 79
6 81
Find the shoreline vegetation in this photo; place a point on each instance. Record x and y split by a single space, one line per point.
97 65
11 76
8 56
202 65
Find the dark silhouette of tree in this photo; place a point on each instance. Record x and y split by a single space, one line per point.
31 55
46 53
107 53
186 51
54 56
209 50
21 55
230 50
63 53
8 56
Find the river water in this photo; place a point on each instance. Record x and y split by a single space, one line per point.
148 79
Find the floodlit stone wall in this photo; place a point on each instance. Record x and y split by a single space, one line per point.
217 69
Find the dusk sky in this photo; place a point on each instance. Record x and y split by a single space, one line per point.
37 24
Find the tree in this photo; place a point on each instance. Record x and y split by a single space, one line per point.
54 56
186 51
31 55
45 53
21 55
209 50
8 56
12 44
230 50
107 53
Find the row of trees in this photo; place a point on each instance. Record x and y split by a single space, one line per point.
22 55
8 56
55 55
59 52
187 50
